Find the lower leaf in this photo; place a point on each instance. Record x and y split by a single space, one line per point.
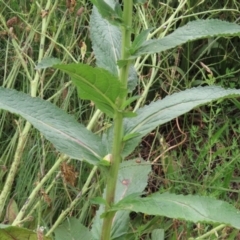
190 208
72 229
8 232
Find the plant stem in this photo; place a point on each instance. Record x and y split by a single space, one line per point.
126 39
211 232
118 122
113 174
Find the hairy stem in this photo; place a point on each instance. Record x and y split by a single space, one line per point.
118 122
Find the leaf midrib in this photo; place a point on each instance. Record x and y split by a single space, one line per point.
27 116
112 104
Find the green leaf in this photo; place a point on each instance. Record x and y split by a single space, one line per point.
98 201
130 136
61 129
139 40
128 183
128 178
16 233
190 208
130 100
118 10
12 211
162 111
47 62
72 229
129 114
108 12
106 43
122 63
191 31
95 84
158 234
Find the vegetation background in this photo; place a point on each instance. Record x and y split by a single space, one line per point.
197 153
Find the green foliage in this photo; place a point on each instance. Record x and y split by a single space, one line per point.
61 129
72 229
191 208
112 15
128 183
162 111
12 233
116 42
139 40
106 43
191 31
47 62
158 234
97 85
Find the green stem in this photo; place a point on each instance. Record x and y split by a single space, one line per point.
113 174
118 122
211 232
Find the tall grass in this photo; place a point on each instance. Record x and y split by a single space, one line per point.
197 153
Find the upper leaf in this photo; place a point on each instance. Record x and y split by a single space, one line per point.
107 12
106 43
95 84
61 129
162 111
190 208
191 31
